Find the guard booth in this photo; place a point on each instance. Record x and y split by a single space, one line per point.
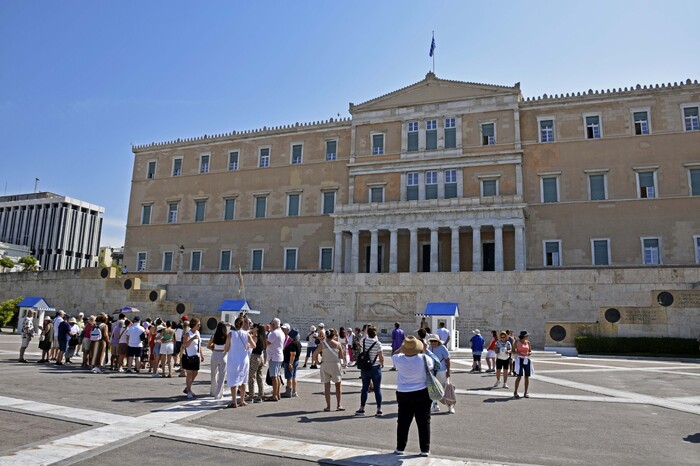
36 304
231 308
447 313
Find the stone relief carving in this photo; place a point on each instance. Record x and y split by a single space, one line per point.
373 307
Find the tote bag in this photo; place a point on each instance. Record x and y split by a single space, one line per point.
435 390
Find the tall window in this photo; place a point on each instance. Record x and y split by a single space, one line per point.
264 157
290 259
151 173
596 184
647 185
450 133
412 186
331 150
650 251
450 184
412 136
377 144
167 261
233 160
600 251
488 134
641 122
293 205
696 240
204 164
260 206
256 260
546 130
296 154
196 261
431 134
328 202
695 182
199 209
229 209
593 127
225 261
177 167
431 185
489 188
141 261
172 211
326 259
146 214
550 188
376 194
552 253
690 119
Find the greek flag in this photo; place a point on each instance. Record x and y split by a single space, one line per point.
432 47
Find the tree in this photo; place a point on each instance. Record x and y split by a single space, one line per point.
29 263
8 310
6 263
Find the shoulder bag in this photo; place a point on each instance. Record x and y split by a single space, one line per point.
435 390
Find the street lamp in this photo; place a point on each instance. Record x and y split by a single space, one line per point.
182 254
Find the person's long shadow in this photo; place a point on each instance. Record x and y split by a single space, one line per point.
385 459
345 417
151 399
497 400
694 438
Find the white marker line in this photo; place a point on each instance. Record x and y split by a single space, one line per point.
62 412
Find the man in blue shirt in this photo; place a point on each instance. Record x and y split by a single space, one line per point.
397 337
477 343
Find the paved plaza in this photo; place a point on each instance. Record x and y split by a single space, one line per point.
581 411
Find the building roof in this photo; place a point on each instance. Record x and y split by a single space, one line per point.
442 309
35 302
234 305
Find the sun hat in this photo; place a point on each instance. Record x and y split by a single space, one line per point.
432 336
477 332
312 328
523 334
72 320
293 333
411 346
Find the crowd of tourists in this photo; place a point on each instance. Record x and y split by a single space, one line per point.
240 353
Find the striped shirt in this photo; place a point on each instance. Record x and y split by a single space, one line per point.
367 342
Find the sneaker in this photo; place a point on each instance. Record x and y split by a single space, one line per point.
360 412
505 386
425 453
304 366
190 395
295 395
129 371
313 366
257 400
379 413
398 452
451 410
496 384
435 409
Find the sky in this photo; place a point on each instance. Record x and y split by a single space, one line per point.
81 81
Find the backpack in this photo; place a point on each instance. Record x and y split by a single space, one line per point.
364 363
96 333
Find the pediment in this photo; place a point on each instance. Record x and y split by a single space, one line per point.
433 90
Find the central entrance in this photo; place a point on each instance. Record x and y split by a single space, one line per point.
489 256
380 258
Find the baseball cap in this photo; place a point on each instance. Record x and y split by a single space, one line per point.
286 326
321 325
184 318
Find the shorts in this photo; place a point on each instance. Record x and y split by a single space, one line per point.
330 372
524 369
310 350
291 375
502 364
134 351
114 348
190 363
156 350
167 348
54 342
123 349
144 354
63 345
477 357
275 368
178 347
25 341
86 344
490 354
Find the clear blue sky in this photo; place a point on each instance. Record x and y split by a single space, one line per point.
80 81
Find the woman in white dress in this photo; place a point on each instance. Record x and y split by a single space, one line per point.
238 345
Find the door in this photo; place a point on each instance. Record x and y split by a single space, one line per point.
489 256
380 258
425 255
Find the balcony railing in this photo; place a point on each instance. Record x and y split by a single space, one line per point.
456 203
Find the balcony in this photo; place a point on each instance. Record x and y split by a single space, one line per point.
464 203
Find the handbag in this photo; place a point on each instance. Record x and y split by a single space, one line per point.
45 345
450 397
435 390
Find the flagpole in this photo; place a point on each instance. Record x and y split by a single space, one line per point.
433 53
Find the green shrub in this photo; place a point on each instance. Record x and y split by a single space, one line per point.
636 345
8 309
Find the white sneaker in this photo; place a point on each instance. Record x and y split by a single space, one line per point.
425 453
496 384
190 395
435 409
451 410
505 386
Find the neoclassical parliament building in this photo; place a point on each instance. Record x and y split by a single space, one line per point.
439 176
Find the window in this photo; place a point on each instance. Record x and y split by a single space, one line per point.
233 160
331 150
412 186
141 261
641 122
412 145
376 194
552 254
694 181
431 134
177 166
377 144
489 188
597 188
256 260
550 188
547 130
229 209
650 251
690 119
167 261
199 209
293 205
196 261
264 157
204 164
225 261
450 133
600 251
326 259
328 202
146 214
696 241
151 173
296 154
260 206
647 184
172 211
592 126
290 258
431 185
450 184
488 134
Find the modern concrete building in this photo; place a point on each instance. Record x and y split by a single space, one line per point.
62 233
437 176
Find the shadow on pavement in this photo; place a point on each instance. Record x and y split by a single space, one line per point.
497 400
694 438
152 399
385 459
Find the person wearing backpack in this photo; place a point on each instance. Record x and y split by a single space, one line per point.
370 361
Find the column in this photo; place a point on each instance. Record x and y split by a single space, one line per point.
476 248
498 247
519 247
519 179
373 251
338 252
434 250
455 250
393 251
413 251
355 251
